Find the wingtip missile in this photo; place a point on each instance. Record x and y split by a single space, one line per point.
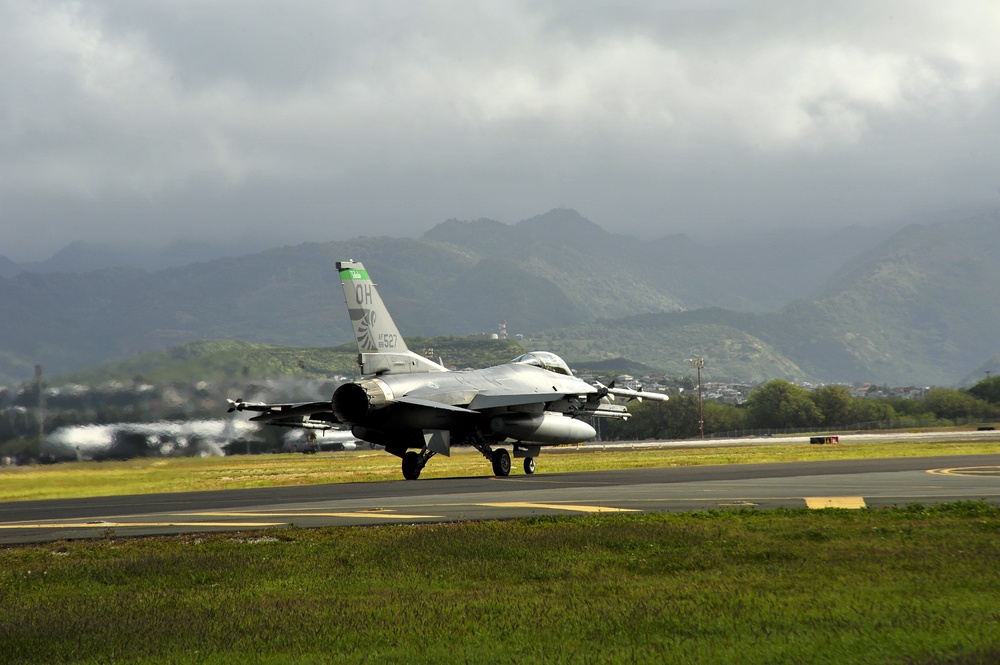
638 395
610 392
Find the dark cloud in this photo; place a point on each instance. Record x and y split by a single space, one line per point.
146 122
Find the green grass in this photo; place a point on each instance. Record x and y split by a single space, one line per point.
908 585
145 476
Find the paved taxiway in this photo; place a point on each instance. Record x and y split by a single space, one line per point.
843 483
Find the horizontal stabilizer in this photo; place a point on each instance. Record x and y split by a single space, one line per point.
307 415
279 410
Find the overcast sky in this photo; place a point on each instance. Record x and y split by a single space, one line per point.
142 122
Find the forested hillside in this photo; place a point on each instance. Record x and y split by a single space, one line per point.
920 307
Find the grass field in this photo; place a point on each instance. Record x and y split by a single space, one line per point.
908 585
144 476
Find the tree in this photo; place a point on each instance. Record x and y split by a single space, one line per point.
724 417
674 419
779 404
865 411
834 404
987 390
681 418
637 426
955 404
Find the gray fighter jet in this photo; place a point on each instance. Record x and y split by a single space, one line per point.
416 408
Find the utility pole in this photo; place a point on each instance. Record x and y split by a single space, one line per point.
41 402
698 363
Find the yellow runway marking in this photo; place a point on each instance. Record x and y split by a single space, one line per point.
968 471
362 513
819 502
560 506
108 524
123 525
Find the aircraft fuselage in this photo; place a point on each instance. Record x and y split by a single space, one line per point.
506 401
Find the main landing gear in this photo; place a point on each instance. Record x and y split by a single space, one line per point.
414 463
501 462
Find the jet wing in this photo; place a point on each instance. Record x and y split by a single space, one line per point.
490 399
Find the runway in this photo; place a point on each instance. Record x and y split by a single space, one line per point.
840 484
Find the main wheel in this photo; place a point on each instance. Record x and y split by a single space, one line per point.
501 462
411 466
529 465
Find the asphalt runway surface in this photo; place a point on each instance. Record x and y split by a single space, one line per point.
828 484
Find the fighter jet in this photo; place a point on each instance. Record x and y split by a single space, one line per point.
416 408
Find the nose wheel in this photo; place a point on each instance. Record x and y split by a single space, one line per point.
529 465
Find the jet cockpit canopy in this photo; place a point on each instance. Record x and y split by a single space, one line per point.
545 360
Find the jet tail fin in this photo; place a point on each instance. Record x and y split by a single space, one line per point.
381 348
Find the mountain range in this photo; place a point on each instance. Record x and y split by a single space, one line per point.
915 306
